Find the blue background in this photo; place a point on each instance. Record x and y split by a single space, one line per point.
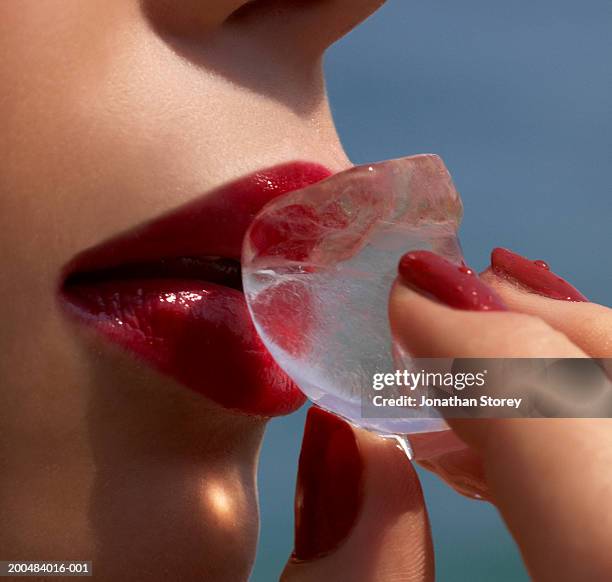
517 99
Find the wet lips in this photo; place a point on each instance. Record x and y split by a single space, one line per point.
170 292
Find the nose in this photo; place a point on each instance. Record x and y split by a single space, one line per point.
272 47
302 26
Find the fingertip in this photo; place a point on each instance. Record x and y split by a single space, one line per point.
329 485
390 536
534 276
455 285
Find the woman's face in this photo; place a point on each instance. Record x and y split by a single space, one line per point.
117 114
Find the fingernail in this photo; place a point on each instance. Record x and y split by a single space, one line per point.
329 486
534 275
454 285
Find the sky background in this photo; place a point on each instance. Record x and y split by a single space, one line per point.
517 99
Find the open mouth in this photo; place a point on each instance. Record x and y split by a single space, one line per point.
170 293
219 270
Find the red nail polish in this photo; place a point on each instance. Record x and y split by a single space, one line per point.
454 285
328 495
535 275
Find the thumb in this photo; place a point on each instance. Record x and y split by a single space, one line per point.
359 509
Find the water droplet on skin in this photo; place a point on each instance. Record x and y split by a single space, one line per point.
542 264
465 269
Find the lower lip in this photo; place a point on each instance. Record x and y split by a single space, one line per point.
182 321
199 333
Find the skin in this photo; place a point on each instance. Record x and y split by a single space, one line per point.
549 478
117 111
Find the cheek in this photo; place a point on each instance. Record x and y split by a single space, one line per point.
52 53
106 125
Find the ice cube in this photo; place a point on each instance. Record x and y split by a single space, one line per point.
318 265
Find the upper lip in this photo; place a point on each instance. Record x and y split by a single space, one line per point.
202 239
166 291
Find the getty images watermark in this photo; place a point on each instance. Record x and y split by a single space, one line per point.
493 388
424 382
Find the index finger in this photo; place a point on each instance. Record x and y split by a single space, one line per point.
549 478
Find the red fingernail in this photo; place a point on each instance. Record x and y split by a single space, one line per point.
328 495
454 285
535 275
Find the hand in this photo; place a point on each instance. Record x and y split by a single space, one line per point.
359 509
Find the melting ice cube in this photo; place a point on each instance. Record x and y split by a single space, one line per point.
318 265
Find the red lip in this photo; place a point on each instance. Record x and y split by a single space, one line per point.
170 293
